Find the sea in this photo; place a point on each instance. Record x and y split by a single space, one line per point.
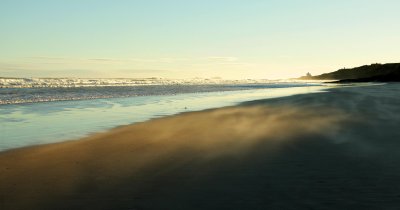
47 113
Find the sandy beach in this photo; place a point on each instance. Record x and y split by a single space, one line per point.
332 150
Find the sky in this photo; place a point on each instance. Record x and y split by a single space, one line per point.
232 39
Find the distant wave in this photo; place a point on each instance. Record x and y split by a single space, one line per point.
82 82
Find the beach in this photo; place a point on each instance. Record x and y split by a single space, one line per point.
328 150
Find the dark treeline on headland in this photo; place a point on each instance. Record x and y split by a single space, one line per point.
369 73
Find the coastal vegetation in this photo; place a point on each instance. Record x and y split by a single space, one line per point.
389 72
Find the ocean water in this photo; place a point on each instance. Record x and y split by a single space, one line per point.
54 114
45 94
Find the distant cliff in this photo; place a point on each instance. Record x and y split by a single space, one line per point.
369 73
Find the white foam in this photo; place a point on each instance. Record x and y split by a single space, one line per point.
85 82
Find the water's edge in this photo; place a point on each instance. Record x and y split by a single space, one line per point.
42 123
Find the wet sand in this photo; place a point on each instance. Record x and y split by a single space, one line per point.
333 150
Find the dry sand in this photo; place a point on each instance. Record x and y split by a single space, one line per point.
334 150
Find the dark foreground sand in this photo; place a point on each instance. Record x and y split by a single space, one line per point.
334 150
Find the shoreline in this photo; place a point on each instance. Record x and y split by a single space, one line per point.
297 152
28 125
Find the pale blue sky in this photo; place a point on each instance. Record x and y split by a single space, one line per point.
187 38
